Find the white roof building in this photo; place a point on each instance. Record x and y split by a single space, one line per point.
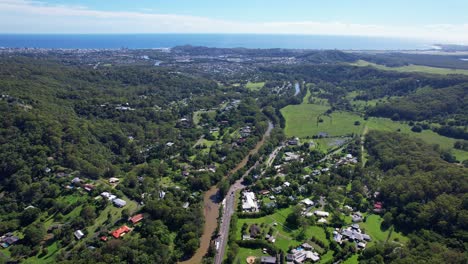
249 202
119 202
321 213
78 234
308 202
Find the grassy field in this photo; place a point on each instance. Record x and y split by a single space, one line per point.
372 228
301 121
428 136
412 68
254 86
247 252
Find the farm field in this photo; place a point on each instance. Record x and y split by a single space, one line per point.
411 68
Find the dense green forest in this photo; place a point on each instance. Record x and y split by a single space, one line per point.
61 123
423 195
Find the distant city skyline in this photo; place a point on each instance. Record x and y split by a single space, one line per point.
436 21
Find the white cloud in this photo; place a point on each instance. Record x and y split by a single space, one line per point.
24 16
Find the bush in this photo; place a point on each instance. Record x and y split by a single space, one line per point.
416 129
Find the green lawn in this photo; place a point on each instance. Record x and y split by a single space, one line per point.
372 228
327 257
247 252
285 237
352 260
254 86
411 68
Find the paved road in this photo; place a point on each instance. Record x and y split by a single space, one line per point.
229 206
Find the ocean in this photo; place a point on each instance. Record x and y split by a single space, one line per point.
261 41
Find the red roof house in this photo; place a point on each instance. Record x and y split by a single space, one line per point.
378 207
136 218
121 231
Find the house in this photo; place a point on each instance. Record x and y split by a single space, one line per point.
353 233
307 202
287 184
136 218
268 260
300 255
337 237
119 202
170 144
76 180
103 238
264 192
88 187
289 156
249 202
113 180
186 205
108 196
378 207
121 231
78 234
307 246
321 213
246 237
8 240
277 190
293 142
162 194
322 221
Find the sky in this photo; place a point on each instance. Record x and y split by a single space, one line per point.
435 20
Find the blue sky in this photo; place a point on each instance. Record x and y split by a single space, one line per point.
356 11
431 20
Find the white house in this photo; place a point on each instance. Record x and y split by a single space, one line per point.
321 213
119 202
78 234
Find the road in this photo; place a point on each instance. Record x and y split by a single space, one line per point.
230 201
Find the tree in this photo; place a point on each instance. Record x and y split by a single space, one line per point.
387 220
88 214
34 234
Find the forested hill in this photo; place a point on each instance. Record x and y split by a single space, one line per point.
65 131
423 196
